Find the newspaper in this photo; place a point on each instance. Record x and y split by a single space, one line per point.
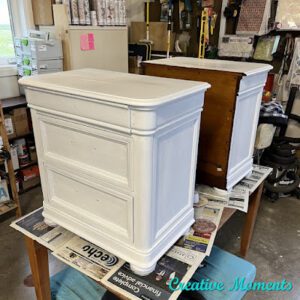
258 175
215 197
238 197
202 234
88 258
33 225
114 273
178 265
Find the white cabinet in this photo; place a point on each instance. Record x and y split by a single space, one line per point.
230 113
117 155
109 50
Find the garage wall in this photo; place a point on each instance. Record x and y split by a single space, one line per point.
135 10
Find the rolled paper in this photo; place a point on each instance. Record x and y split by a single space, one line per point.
81 12
74 11
87 12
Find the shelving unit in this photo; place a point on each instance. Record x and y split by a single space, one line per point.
6 208
22 191
32 163
15 102
20 136
14 204
10 104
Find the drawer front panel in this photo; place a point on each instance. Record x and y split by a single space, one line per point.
100 154
91 111
102 209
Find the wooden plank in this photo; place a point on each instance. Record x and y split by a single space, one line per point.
42 12
154 11
38 258
216 118
194 45
61 24
21 136
6 208
158 34
29 188
13 102
10 168
250 221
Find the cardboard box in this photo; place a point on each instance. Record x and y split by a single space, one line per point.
158 34
20 121
9 126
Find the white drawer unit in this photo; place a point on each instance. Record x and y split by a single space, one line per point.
117 155
230 113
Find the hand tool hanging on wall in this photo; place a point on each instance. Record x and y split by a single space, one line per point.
204 33
147 42
212 22
185 15
169 28
147 39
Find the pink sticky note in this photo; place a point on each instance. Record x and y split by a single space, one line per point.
87 42
91 41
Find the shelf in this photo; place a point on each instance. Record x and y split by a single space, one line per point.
6 208
28 189
104 27
288 29
13 102
20 136
32 163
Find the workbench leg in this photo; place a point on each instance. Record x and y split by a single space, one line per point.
254 203
38 257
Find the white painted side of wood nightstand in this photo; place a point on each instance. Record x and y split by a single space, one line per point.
250 79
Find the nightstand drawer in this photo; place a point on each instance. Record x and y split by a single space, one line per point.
101 209
101 155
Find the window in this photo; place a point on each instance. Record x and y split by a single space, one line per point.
6 37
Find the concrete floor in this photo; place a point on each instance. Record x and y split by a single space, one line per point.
275 249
